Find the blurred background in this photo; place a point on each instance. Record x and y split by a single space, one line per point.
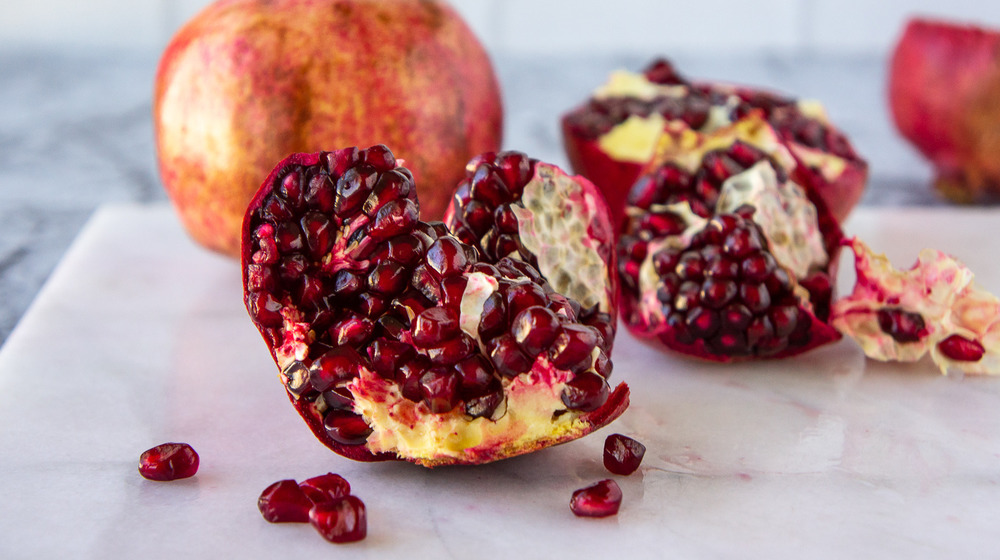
76 87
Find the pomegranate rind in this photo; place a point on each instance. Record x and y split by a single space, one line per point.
940 289
944 94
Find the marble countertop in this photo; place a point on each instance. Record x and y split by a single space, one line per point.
76 132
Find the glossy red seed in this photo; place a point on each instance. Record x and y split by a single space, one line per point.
168 461
439 388
284 502
340 521
961 349
601 499
574 345
335 366
434 326
622 454
507 357
325 488
587 391
346 427
452 351
446 257
902 326
535 329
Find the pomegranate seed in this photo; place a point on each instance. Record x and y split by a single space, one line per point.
353 188
961 349
435 325
573 345
452 351
535 329
439 387
284 502
324 488
601 499
340 521
902 326
335 366
168 461
487 186
622 455
346 427
585 392
378 156
475 376
393 218
446 257
507 357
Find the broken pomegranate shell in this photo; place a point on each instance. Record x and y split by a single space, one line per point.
169 461
612 137
511 205
944 92
933 308
722 255
394 339
601 499
622 454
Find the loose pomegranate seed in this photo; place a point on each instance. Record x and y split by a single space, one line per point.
601 499
284 502
622 454
324 488
168 461
340 521
961 349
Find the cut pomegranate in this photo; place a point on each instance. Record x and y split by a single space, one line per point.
396 340
340 521
612 137
284 502
933 308
601 499
622 454
168 461
722 255
944 92
510 205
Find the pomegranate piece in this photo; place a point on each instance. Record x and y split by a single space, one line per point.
933 308
168 461
325 487
284 502
612 137
601 499
396 340
342 520
722 255
622 454
944 92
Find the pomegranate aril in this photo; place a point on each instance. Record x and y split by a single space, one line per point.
574 345
296 376
475 376
961 349
902 326
484 406
446 256
338 397
353 330
601 499
587 391
487 186
434 326
168 461
507 357
493 319
379 157
321 192
265 309
388 355
393 218
284 502
353 188
388 278
452 351
702 322
338 365
622 454
755 296
439 388
325 488
408 377
524 295
535 329
717 293
340 521
346 427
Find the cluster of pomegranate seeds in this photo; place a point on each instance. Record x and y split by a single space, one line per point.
168 461
601 499
325 501
622 454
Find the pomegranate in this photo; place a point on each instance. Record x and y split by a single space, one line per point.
622 454
287 501
601 499
168 461
933 308
612 137
722 254
340 521
396 340
944 92
510 205
247 82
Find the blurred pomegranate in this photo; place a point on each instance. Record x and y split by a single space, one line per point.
944 91
247 82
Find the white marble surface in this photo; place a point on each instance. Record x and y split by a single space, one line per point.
140 337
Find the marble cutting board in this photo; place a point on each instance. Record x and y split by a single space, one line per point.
140 337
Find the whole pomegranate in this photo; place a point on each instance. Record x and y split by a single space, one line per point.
612 137
247 82
395 339
944 92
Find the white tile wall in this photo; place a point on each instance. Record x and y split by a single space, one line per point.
638 27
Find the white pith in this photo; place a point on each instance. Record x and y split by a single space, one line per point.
553 221
940 289
478 288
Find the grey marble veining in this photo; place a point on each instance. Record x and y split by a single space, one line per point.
76 132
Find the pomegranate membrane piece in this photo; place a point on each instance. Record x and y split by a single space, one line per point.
397 340
168 461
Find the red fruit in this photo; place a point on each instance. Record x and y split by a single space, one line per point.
612 137
601 499
340 521
622 454
737 263
443 372
247 82
325 487
284 502
944 92
510 205
168 461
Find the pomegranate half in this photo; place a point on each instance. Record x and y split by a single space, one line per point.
396 340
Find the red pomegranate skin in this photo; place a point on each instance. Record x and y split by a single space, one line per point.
944 92
247 82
